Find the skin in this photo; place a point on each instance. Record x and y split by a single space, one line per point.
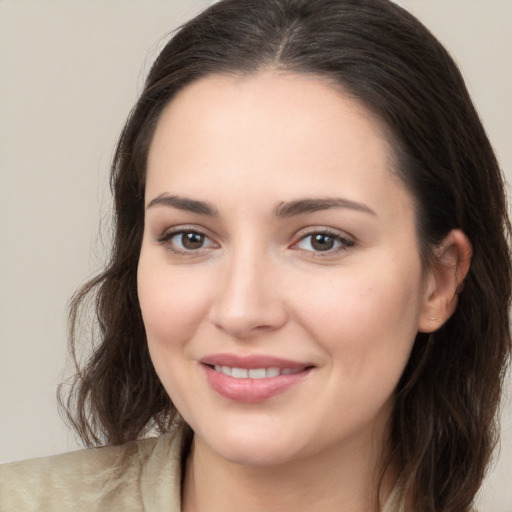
256 284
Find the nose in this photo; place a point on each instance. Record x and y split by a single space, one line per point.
249 300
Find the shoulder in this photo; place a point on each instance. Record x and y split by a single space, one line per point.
109 478
395 501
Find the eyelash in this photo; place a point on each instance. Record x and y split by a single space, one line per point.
343 242
166 239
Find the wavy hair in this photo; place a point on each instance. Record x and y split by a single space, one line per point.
444 424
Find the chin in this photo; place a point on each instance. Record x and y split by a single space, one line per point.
251 447
257 454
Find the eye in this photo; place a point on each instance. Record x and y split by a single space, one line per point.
190 241
323 242
186 241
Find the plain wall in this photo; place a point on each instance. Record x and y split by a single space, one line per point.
69 73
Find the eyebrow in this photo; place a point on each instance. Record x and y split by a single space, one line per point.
283 210
301 206
183 203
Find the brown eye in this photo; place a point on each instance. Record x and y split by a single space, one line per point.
322 242
186 242
191 241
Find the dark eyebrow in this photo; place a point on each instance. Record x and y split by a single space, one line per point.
183 203
302 206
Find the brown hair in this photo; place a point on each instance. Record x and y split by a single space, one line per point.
443 428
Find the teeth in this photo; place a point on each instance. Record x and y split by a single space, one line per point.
257 373
254 373
272 372
240 373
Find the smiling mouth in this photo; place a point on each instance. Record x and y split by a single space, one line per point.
255 384
255 373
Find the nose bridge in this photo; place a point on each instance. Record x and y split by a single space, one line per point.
248 298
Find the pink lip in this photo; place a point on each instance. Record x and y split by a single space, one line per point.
252 362
251 390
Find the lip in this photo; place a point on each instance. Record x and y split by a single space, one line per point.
252 390
251 362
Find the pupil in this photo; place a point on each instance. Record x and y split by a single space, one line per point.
322 242
192 240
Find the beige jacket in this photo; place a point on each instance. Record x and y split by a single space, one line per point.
142 476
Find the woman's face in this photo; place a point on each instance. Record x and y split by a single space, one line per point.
279 278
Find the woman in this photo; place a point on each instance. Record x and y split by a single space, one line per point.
301 297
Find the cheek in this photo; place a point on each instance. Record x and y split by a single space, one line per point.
367 320
172 304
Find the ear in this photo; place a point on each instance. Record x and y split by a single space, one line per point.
445 280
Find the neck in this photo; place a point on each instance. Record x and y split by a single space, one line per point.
342 479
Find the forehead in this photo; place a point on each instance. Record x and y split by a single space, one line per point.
290 99
266 129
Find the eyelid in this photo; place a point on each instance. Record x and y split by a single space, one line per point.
346 241
167 235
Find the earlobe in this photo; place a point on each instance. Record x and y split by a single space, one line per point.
445 280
